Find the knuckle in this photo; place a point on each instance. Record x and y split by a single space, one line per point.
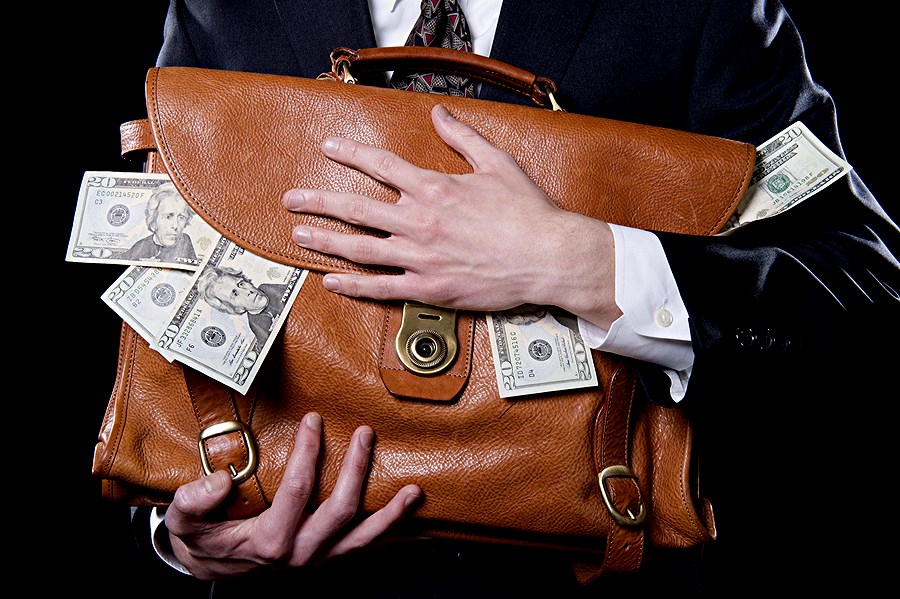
272 550
434 189
357 466
322 241
384 165
428 227
348 150
316 202
383 286
466 133
358 212
183 500
350 286
365 250
343 509
440 291
298 487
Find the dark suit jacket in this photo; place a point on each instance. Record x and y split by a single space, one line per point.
781 312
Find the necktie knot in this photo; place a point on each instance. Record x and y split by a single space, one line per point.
441 24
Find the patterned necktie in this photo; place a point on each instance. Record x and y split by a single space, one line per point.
442 24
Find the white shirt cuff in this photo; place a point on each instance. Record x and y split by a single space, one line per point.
159 536
654 323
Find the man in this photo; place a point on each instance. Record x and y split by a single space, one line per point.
167 215
753 320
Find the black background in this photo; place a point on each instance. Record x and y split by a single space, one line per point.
82 76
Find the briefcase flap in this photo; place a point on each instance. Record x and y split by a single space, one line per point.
234 142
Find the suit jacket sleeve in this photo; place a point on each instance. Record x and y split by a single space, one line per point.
809 284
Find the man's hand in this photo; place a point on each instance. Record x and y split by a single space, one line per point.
487 240
284 535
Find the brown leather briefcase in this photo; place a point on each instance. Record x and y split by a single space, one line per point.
593 472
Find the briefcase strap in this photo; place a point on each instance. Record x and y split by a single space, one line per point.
619 486
226 441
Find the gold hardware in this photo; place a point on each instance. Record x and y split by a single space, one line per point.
426 342
344 66
554 104
223 428
620 471
341 67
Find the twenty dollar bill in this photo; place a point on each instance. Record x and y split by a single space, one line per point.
790 167
146 296
136 219
539 350
231 314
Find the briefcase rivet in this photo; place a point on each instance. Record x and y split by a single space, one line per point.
426 342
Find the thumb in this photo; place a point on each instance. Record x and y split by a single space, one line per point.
195 500
462 138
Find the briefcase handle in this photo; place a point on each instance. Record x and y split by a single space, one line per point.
539 90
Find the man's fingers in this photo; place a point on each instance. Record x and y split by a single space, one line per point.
378 287
477 151
342 504
362 249
378 523
299 478
348 207
382 165
194 500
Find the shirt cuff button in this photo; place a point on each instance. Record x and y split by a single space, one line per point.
664 318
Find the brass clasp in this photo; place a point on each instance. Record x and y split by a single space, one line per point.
426 342
629 520
223 428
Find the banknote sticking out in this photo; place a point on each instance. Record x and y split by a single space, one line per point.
231 314
194 296
790 167
539 350
137 219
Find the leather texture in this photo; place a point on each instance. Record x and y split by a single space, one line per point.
521 471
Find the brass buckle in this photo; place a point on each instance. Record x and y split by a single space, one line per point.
629 520
223 428
426 342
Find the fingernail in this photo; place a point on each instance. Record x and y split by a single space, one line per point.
292 199
331 283
444 113
213 484
365 439
412 498
330 145
301 236
314 421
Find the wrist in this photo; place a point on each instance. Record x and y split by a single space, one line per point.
586 285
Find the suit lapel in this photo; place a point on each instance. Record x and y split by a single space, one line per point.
314 31
555 27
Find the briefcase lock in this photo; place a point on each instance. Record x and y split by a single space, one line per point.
426 342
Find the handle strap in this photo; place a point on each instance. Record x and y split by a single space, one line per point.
539 90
